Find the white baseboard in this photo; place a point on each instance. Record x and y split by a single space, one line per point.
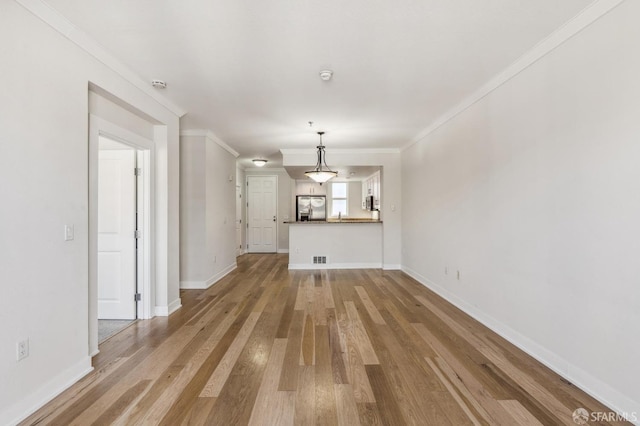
165 311
192 285
175 305
54 387
391 267
580 378
335 266
283 251
203 285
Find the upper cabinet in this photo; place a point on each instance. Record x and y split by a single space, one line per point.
372 186
309 187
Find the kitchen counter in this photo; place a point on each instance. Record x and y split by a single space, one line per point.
347 245
333 221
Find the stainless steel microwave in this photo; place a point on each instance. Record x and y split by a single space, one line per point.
369 202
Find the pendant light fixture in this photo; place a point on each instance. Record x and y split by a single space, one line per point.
322 172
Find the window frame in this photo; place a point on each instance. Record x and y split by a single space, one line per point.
345 198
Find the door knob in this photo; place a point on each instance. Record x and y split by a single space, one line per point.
274 218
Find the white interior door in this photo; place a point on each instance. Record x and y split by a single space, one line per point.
262 214
116 231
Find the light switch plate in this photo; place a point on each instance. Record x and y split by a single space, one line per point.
68 233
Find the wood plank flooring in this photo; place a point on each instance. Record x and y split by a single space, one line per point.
269 346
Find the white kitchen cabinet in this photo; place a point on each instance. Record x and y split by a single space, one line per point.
309 187
372 186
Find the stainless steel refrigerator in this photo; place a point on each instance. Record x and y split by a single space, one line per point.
311 207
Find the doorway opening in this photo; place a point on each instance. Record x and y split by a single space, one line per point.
117 236
120 230
117 230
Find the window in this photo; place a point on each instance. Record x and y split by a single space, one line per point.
339 201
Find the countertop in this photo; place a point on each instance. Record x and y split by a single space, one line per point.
333 221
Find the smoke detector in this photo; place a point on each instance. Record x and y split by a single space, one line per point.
326 75
159 84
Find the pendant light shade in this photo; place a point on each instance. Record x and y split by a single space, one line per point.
322 172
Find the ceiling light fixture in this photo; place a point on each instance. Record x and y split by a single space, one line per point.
259 162
322 172
159 84
326 75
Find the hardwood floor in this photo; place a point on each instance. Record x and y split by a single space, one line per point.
268 346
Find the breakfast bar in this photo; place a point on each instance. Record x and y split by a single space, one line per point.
335 244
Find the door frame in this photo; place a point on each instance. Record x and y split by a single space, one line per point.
246 219
239 247
145 203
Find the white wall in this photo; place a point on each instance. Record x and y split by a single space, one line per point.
207 210
532 194
345 245
101 106
44 185
286 208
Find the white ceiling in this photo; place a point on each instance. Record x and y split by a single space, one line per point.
248 70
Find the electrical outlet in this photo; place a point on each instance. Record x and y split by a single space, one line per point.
446 270
297 250
215 259
22 349
458 275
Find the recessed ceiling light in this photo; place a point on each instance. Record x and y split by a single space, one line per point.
159 84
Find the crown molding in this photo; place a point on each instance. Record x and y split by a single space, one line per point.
210 135
586 17
58 22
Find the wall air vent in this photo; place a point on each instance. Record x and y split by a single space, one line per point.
319 260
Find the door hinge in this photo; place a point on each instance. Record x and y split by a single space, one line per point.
137 234
137 297
137 171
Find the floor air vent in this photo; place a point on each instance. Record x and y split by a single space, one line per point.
319 260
